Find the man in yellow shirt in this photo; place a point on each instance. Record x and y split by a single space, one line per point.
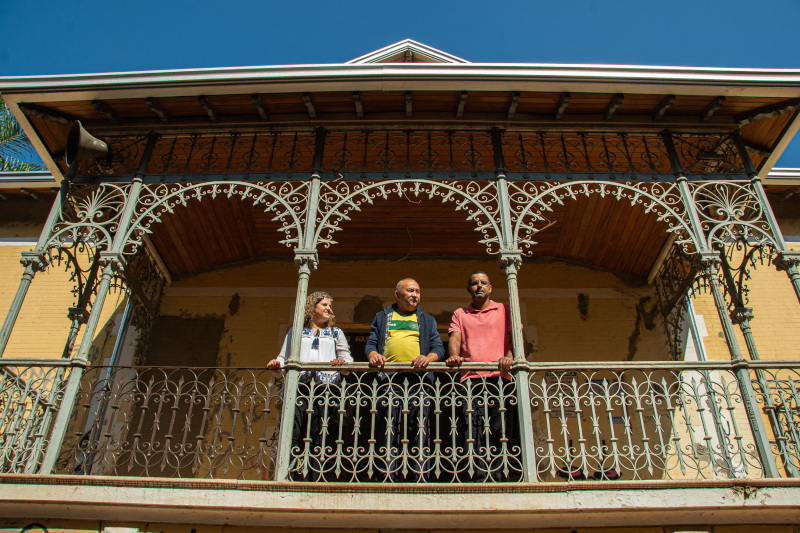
402 333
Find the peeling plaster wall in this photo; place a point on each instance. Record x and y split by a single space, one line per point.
616 318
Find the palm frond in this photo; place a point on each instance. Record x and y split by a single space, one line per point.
15 147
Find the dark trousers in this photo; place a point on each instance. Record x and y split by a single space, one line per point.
487 418
402 427
308 428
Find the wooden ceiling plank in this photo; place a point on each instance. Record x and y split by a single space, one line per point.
585 226
623 242
216 229
572 220
641 242
159 238
238 251
204 228
615 227
193 230
597 227
178 244
241 228
655 242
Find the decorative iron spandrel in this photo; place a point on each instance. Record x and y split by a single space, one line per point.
532 202
445 153
287 201
174 422
477 200
29 399
639 424
730 211
151 282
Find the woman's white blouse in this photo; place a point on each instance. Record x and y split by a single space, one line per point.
332 345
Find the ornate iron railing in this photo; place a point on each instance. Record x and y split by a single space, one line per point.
604 421
30 394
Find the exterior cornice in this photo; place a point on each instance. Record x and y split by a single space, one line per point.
410 76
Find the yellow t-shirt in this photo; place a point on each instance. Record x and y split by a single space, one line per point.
402 346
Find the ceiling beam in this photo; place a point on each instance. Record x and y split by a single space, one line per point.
156 108
562 105
767 111
756 148
259 105
462 103
312 112
205 104
46 114
512 106
409 109
358 104
709 111
106 110
665 104
615 102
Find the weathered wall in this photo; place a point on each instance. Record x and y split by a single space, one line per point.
570 312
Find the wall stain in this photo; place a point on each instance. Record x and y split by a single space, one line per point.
583 306
366 309
644 316
233 305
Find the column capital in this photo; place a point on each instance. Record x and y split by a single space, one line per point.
707 258
742 314
509 258
306 258
35 259
786 259
115 259
78 313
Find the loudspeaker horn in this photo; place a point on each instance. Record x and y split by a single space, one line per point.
81 145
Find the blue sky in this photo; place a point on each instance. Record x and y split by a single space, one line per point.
57 37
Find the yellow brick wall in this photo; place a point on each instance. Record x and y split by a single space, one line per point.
776 326
42 326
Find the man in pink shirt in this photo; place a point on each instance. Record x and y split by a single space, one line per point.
481 333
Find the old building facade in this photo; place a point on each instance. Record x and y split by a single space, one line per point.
646 246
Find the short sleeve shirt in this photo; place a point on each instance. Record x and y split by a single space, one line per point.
402 346
484 335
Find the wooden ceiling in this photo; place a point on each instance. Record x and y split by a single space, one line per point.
304 110
596 231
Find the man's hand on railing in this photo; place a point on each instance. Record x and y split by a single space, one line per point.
504 364
274 364
454 360
376 359
423 360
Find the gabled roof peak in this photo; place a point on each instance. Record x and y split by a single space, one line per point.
407 51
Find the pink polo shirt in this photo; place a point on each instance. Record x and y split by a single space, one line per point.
484 335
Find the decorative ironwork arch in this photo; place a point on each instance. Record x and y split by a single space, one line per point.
530 200
287 199
479 200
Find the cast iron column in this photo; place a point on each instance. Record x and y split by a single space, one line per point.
709 260
306 260
510 261
111 260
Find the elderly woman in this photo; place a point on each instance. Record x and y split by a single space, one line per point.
321 343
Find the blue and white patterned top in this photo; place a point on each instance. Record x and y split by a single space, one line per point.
319 346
